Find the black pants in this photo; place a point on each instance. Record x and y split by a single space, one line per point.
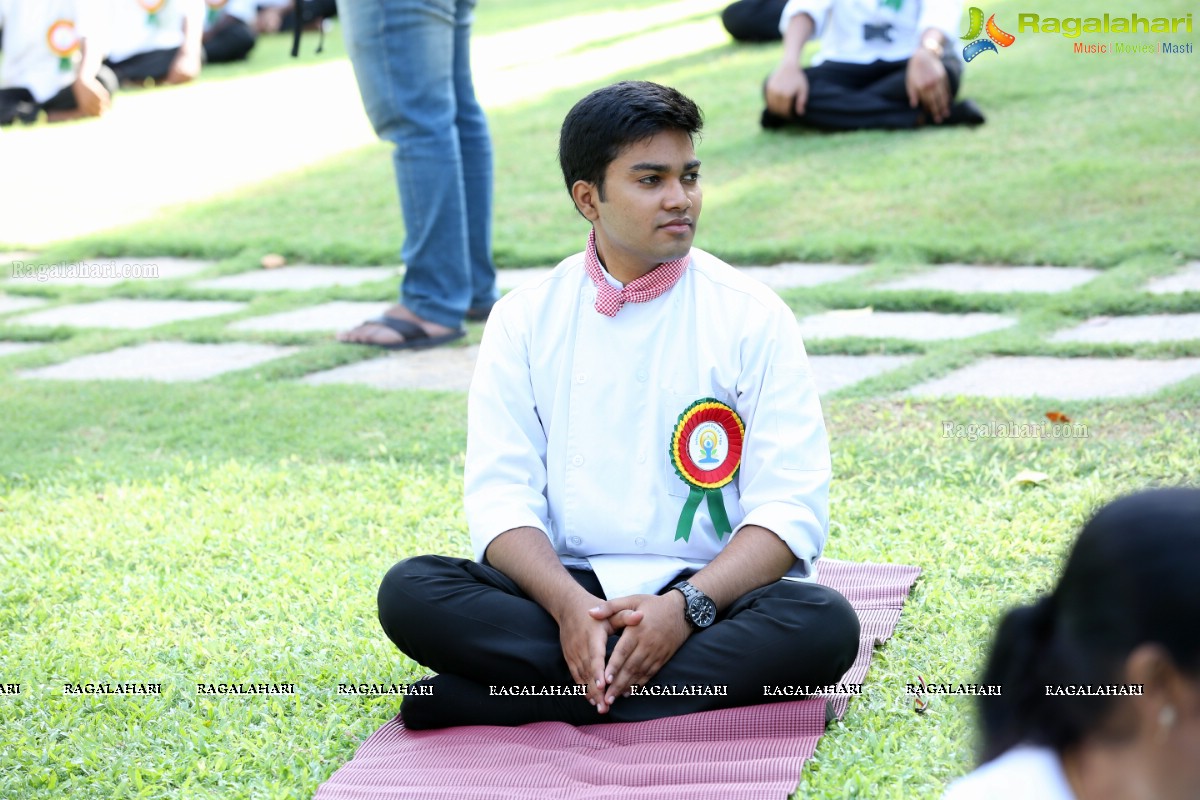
476 628
844 96
151 65
17 103
754 20
229 39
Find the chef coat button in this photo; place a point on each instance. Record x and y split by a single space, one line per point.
642 458
640 542
577 461
575 540
642 375
581 377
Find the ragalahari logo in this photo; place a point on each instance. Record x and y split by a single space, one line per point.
995 36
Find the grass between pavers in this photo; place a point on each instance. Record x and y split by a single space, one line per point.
217 533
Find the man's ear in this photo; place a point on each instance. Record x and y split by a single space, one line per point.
587 198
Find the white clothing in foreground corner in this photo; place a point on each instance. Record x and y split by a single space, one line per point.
571 414
1027 773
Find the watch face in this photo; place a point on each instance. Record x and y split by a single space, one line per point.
702 611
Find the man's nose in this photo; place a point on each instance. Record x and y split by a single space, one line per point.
677 197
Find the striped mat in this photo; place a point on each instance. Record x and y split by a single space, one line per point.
744 753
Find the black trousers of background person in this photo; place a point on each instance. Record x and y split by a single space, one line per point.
229 39
844 96
476 628
17 103
151 65
754 20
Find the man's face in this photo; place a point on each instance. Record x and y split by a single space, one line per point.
652 201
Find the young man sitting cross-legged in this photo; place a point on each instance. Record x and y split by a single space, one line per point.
646 463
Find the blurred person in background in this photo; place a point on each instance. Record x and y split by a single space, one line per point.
882 64
51 59
156 40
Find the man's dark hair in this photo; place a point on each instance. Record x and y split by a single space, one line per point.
608 120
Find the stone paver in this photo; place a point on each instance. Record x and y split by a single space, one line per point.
171 362
920 326
9 348
1186 280
104 271
835 372
9 303
793 276
963 278
300 278
1059 378
334 316
1149 328
127 314
441 368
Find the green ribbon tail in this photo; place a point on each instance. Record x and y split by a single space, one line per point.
716 510
688 515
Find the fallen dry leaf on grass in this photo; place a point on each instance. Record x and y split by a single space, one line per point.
272 261
1030 477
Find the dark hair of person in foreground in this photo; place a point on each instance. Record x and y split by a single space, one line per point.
1125 611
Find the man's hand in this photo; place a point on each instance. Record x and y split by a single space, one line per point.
653 630
787 91
928 84
185 67
91 96
584 636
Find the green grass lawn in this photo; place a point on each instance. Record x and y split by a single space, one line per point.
236 529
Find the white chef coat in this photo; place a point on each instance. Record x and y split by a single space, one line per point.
839 25
571 413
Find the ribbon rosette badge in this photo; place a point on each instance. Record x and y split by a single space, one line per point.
63 42
152 7
706 451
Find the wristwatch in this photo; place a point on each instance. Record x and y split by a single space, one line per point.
700 611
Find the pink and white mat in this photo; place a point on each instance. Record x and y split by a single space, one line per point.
744 753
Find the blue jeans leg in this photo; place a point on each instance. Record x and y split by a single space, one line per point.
411 59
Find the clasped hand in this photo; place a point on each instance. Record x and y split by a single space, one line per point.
651 627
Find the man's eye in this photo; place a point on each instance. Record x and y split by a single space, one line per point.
691 177
649 180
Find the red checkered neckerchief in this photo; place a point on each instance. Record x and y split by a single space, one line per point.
609 298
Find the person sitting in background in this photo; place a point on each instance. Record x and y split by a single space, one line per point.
229 30
52 61
1122 617
753 20
156 40
881 65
